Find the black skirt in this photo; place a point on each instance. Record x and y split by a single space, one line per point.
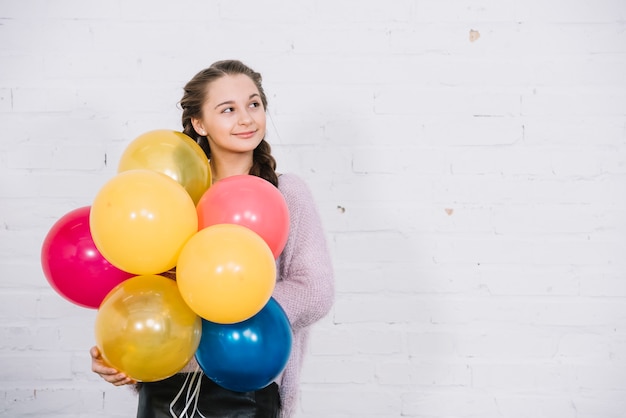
212 401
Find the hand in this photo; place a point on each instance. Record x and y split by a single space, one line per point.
109 374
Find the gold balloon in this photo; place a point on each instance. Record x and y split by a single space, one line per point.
226 273
144 328
140 221
171 153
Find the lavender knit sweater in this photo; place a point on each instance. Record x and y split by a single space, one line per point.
305 282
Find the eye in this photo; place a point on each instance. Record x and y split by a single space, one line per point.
228 110
255 104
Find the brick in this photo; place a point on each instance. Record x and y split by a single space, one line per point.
382 309
411 278
283 13
459 11
75 9
423 374
20 68
605 11
400 160
553 130
516 160
56 402
558 101
25 366
80 187
604 403
452 101
530 280
18 305
458 402
600 282
6 100
525 190
348 370
524 377
353 402
356 12
120 401
59 157
469 131
336 39
568 38
378 187
537 404
548 219
352 246
353 339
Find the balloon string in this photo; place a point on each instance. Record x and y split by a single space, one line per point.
178 395
197 394
192 396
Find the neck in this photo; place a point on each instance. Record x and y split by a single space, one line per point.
230 166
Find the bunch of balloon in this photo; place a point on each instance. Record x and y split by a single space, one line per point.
226 273
134 230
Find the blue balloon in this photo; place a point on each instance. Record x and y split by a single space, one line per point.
247 355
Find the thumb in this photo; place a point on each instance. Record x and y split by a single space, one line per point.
95 352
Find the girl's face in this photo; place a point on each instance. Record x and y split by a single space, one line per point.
233 117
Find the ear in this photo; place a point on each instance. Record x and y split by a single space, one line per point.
198 127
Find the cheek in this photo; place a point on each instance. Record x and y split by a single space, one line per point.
261 120
218 127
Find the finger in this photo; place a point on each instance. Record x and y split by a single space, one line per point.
95 352
99 366
109 374
104 370
119 379
125 381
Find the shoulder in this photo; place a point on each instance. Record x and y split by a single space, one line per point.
291 184
297 194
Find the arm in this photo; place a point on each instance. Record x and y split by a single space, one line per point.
305 286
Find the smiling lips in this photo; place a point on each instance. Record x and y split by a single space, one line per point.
245 135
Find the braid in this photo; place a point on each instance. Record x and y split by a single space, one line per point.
264 165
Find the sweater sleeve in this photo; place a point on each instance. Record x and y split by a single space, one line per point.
305 282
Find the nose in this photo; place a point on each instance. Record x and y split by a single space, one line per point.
245 118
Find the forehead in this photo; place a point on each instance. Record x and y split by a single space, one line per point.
231 87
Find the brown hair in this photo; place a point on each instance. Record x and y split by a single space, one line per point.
195 92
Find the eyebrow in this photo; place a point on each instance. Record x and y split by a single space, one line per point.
232 101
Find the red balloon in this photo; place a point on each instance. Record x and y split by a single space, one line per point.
73 265
248 201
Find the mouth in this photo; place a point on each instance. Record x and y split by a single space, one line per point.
245 135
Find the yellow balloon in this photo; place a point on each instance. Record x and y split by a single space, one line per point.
144 328
171 153
140 221
226 273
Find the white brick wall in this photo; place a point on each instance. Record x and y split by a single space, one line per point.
474 192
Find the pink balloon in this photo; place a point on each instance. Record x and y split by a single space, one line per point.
73 265
248 201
